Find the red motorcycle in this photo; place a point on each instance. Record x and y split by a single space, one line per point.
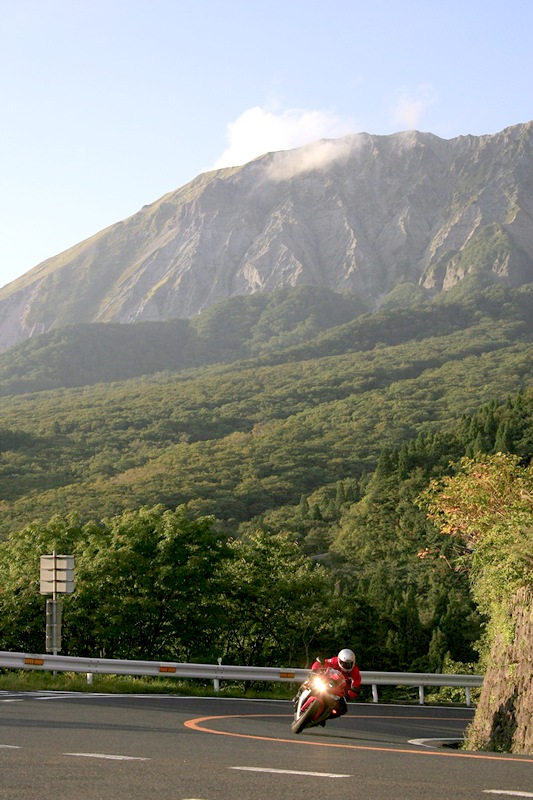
318 699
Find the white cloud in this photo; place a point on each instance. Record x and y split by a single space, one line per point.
411 106
318 155
258 131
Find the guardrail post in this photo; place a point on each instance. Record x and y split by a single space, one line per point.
216 682
467 693
421 695
375 698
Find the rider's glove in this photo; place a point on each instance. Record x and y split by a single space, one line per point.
352 694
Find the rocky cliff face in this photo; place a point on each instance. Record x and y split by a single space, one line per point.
363 214
505 709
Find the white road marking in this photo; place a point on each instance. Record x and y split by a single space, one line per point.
9 747
49 697
106 755
292 772
507 793
434 742
12 700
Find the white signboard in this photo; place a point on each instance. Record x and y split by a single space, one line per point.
57 574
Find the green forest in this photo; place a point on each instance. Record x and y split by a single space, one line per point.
252 484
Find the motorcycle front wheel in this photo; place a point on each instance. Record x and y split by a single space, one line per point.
303 720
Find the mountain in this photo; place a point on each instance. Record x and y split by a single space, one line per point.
374 216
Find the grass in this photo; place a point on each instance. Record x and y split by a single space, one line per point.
43 680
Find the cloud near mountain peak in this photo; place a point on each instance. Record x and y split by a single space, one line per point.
258 131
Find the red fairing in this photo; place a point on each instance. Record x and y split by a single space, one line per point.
353 682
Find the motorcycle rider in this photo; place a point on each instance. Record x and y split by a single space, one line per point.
345 662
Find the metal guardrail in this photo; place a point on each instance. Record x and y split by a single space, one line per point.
225 672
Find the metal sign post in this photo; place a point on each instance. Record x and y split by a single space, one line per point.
57 577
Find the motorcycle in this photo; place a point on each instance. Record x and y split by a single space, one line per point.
318 699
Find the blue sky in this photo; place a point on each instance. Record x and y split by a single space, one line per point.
109 104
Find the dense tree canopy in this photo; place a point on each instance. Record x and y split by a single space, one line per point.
253 436
155 584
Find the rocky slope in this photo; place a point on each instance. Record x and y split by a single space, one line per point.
505 708
364 214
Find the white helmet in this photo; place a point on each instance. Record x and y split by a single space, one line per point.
346 660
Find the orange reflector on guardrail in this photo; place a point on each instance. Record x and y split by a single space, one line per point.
36 662
167 669
286 674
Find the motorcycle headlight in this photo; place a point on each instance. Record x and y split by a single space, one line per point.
320 684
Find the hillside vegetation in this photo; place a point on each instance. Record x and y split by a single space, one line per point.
239 439
273 452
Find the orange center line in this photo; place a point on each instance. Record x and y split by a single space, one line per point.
197 725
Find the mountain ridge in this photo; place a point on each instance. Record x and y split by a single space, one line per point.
363 214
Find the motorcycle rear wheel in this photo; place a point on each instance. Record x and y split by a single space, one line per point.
303 720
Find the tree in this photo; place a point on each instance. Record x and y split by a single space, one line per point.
488 509
146 585
275 604
22 608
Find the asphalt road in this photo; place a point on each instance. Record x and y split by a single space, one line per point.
55 746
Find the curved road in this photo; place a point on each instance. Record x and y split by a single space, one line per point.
55 746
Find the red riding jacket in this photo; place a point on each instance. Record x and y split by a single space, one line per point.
353 678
